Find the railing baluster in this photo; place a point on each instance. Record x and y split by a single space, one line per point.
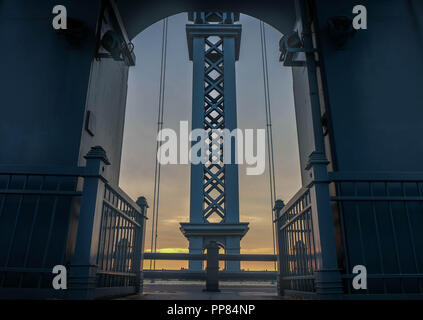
421 208
382 268
15 224
343 233
411 233
31 230
125 261
309 267
292 257
110 240
395 235
410 228
101 242
49 233
360 231
301 250
129 249
3 200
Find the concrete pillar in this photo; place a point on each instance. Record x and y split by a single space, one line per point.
83 269
328 278
139 245
231 170
233 246
195 246
279 205
196 187
212 278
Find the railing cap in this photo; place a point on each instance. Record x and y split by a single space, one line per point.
316 158
279 204
97 152
142 202
213 245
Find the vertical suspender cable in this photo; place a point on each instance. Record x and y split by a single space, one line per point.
155 222
269 130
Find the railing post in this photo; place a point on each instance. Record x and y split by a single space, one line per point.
139 245
281 285
327 277
212 270
83 269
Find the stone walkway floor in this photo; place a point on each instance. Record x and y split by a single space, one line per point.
190 290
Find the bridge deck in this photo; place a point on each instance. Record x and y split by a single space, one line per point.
193 290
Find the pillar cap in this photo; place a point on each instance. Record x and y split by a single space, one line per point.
214 229
142 202
316 158
97 152
279 204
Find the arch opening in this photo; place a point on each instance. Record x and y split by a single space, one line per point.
254 204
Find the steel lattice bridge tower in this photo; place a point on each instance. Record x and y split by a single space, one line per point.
213 45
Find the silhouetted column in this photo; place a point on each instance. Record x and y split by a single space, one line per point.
233 246
196 187
139 245
279 205
195 246
231 170
82 273
212 271
328 278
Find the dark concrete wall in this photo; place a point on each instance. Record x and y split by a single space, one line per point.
374 86
106 101
303 118
140 14
47 85
43 82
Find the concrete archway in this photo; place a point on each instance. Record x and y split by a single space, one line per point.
138 15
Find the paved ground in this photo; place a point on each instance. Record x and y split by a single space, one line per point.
190 290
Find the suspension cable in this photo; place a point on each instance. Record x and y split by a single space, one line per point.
272 183
157 171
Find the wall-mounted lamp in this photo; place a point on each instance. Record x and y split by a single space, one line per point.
117 48
289 46
113 44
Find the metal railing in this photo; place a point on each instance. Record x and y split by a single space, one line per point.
380 220
119 253
71 217
297 257
211 275
35 211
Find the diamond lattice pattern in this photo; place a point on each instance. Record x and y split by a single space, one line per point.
214 170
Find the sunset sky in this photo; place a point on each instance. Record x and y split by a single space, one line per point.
138 154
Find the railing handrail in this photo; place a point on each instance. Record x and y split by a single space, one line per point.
121 213
293 218
125 197
199 256
56 171
350 176
202 275
293 200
